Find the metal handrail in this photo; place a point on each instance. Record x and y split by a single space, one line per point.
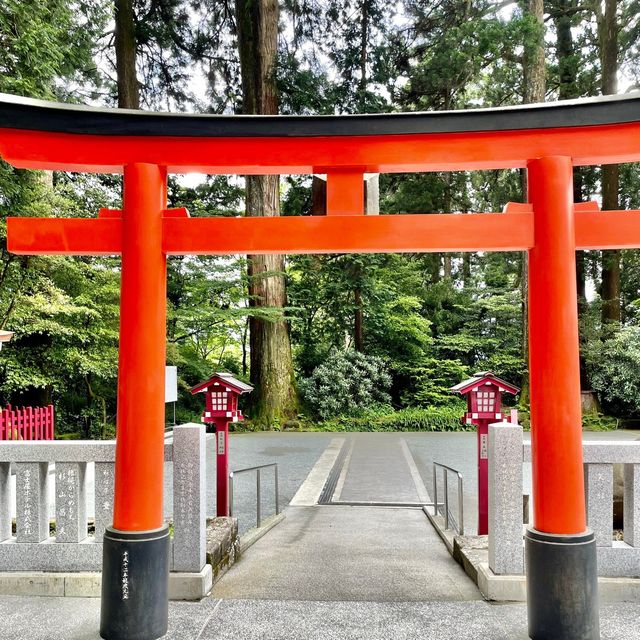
460 525
258 469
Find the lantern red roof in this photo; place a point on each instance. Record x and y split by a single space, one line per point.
480 378
225 380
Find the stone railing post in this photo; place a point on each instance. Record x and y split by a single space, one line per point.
104 482
506 547
632 504
189 498
5 501
71 501
598 484
32 501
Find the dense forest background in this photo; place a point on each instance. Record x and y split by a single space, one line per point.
345 341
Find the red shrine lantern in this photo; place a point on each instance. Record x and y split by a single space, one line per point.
221 407
484 406
221 397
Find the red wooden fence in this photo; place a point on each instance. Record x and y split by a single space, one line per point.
27 423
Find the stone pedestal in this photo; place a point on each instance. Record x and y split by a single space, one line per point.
189 498
506 546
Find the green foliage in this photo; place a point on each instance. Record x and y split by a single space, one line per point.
346 384
431 319
615 370
44 40
410 419
429 384
599 422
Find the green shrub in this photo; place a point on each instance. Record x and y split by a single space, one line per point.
347 383
598 422
411 419
614 367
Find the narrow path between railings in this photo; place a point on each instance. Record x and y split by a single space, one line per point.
369 541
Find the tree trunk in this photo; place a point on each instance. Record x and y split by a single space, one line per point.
466 270
271 364
561 13
125 39
608 35
358 332
364 39
534 68
534 75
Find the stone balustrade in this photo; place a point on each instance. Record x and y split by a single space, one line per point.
507 454
71 548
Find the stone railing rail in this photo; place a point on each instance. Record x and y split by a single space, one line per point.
508 452
71 548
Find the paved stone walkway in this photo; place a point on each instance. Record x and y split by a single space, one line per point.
331 571
380 469
354 551
23 618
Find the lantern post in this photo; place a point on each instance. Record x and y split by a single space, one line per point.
484 406
221 408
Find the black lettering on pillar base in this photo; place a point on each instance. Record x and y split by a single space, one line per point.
562 586
135 584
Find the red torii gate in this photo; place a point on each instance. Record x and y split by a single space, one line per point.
547 139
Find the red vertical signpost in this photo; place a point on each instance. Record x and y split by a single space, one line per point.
221 407
484 406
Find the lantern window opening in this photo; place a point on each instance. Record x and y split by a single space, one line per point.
486 400
219 400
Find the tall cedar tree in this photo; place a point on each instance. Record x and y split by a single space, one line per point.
125 42
608 37
271 363
534 80
563 12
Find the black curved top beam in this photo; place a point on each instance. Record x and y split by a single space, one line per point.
39 115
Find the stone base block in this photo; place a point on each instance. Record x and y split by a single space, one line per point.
83 585
500 588
87 584
514 589
50 556
31 583
190 586
619 560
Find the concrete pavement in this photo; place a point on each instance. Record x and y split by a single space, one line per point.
348 553
31 618
333 571
347 549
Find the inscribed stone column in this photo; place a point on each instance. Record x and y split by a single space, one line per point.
506 547
598 483
5 500
632 504
71 501
189 498
32 514
104 473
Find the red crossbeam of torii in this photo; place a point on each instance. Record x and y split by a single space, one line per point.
547 140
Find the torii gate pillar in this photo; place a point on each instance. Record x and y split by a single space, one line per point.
135 573
562 578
